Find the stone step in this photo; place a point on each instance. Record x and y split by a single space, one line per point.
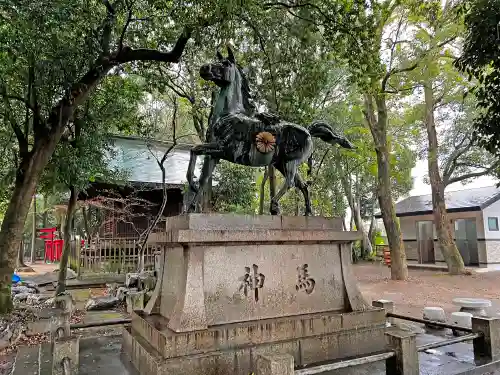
27 361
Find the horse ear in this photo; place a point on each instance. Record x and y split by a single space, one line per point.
219 56
230 55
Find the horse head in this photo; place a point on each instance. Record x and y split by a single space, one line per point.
221 72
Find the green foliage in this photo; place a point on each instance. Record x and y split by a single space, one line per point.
82 157
234 188
480 60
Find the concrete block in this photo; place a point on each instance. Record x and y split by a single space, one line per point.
59 322
65 349
405 362
462 319
65 302
435 314
279 364
135 301
387 305
487 346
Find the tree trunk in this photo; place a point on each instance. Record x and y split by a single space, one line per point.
33 232
262 196
378 128
448 247
88 236
356 220
68 228
45 216
13 223
366 245
20 256
371 231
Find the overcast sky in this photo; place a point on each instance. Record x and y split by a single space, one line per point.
420 188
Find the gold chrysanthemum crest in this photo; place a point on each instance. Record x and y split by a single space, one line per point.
265 142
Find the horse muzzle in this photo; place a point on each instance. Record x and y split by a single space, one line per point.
206 72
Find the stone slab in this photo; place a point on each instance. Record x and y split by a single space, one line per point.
183 236
65 349
280 364
260 281
242 361
472 303
214 221
229 268
99 316
240 335
27 358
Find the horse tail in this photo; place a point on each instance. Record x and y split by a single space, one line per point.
323 131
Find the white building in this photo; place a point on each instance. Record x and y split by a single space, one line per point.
475 216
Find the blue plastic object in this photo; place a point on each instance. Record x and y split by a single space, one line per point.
15 278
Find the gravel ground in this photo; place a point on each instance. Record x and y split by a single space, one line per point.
426 288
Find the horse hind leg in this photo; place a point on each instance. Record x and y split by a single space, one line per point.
302 186
289 171
193 198
212 154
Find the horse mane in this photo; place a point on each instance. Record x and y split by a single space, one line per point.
248 103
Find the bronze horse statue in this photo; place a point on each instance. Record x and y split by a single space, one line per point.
238 134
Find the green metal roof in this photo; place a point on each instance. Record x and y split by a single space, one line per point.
136 156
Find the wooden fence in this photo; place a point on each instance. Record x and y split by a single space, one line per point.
112 255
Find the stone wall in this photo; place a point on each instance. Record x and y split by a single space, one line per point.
492 250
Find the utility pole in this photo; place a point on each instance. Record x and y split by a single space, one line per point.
33 234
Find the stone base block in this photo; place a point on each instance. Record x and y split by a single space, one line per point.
233 349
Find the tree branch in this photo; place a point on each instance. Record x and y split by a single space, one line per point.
472 174
175 88
451 162
142 54
268 58
130 7
109 7
19 99
21 138
412 67
107 27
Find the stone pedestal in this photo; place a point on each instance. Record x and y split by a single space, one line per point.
233 287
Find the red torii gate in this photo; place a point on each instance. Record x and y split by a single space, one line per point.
49 237
53 247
